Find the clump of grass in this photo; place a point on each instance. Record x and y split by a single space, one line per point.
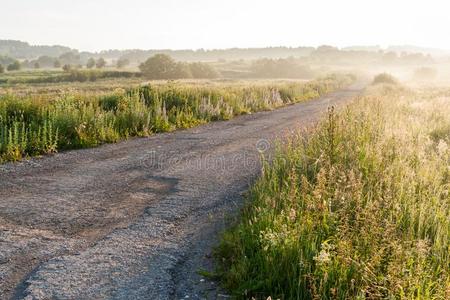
45 123
384 78
358 209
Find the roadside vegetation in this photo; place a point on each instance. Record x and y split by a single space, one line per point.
384 78
69 75
358 208
45 123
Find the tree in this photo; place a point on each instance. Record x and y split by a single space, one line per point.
182 70
101 63
384 78
14 66
70 58
122 62
37 65
280 68
6 60
202 70
2 69
162 66
67 68
25 64
45 61
90 63
57 63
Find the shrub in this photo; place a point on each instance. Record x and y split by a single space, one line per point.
160 66
280 68
122 62
202 70
57 64
90 63
384 78
15 66
67 68
101 63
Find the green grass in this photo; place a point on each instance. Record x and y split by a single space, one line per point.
58 76
43 123
358 208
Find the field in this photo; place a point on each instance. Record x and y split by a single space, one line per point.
42 120
355 208
59 76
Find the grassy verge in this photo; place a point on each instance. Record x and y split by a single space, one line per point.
35 77
359 209
41 124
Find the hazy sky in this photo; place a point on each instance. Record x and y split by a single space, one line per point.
180 24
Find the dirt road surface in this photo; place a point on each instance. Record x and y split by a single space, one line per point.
137 219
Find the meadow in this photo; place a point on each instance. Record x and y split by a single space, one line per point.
355 208
58 76
36 121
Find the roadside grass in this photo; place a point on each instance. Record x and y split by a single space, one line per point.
358 208
45 123
59 76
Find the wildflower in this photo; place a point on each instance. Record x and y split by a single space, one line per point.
323 257
292 215
442 148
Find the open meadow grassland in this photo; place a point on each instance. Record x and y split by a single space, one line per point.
357 208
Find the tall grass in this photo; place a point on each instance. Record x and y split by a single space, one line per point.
358 209
41 124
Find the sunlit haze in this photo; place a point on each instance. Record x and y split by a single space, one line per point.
180 24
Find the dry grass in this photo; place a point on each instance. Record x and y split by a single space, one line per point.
358 210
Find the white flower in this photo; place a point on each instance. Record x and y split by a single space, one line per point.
323 257
442 148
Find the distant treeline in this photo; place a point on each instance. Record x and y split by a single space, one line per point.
167 64
45 56
22 50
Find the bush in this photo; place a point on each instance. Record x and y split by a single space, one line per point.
384 78
202 70
122 62
280 68
101 63
67 68
160 66
15 66
57 64
90 63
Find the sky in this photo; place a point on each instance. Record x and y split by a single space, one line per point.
94 25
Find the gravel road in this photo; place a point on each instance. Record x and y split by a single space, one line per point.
136 219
